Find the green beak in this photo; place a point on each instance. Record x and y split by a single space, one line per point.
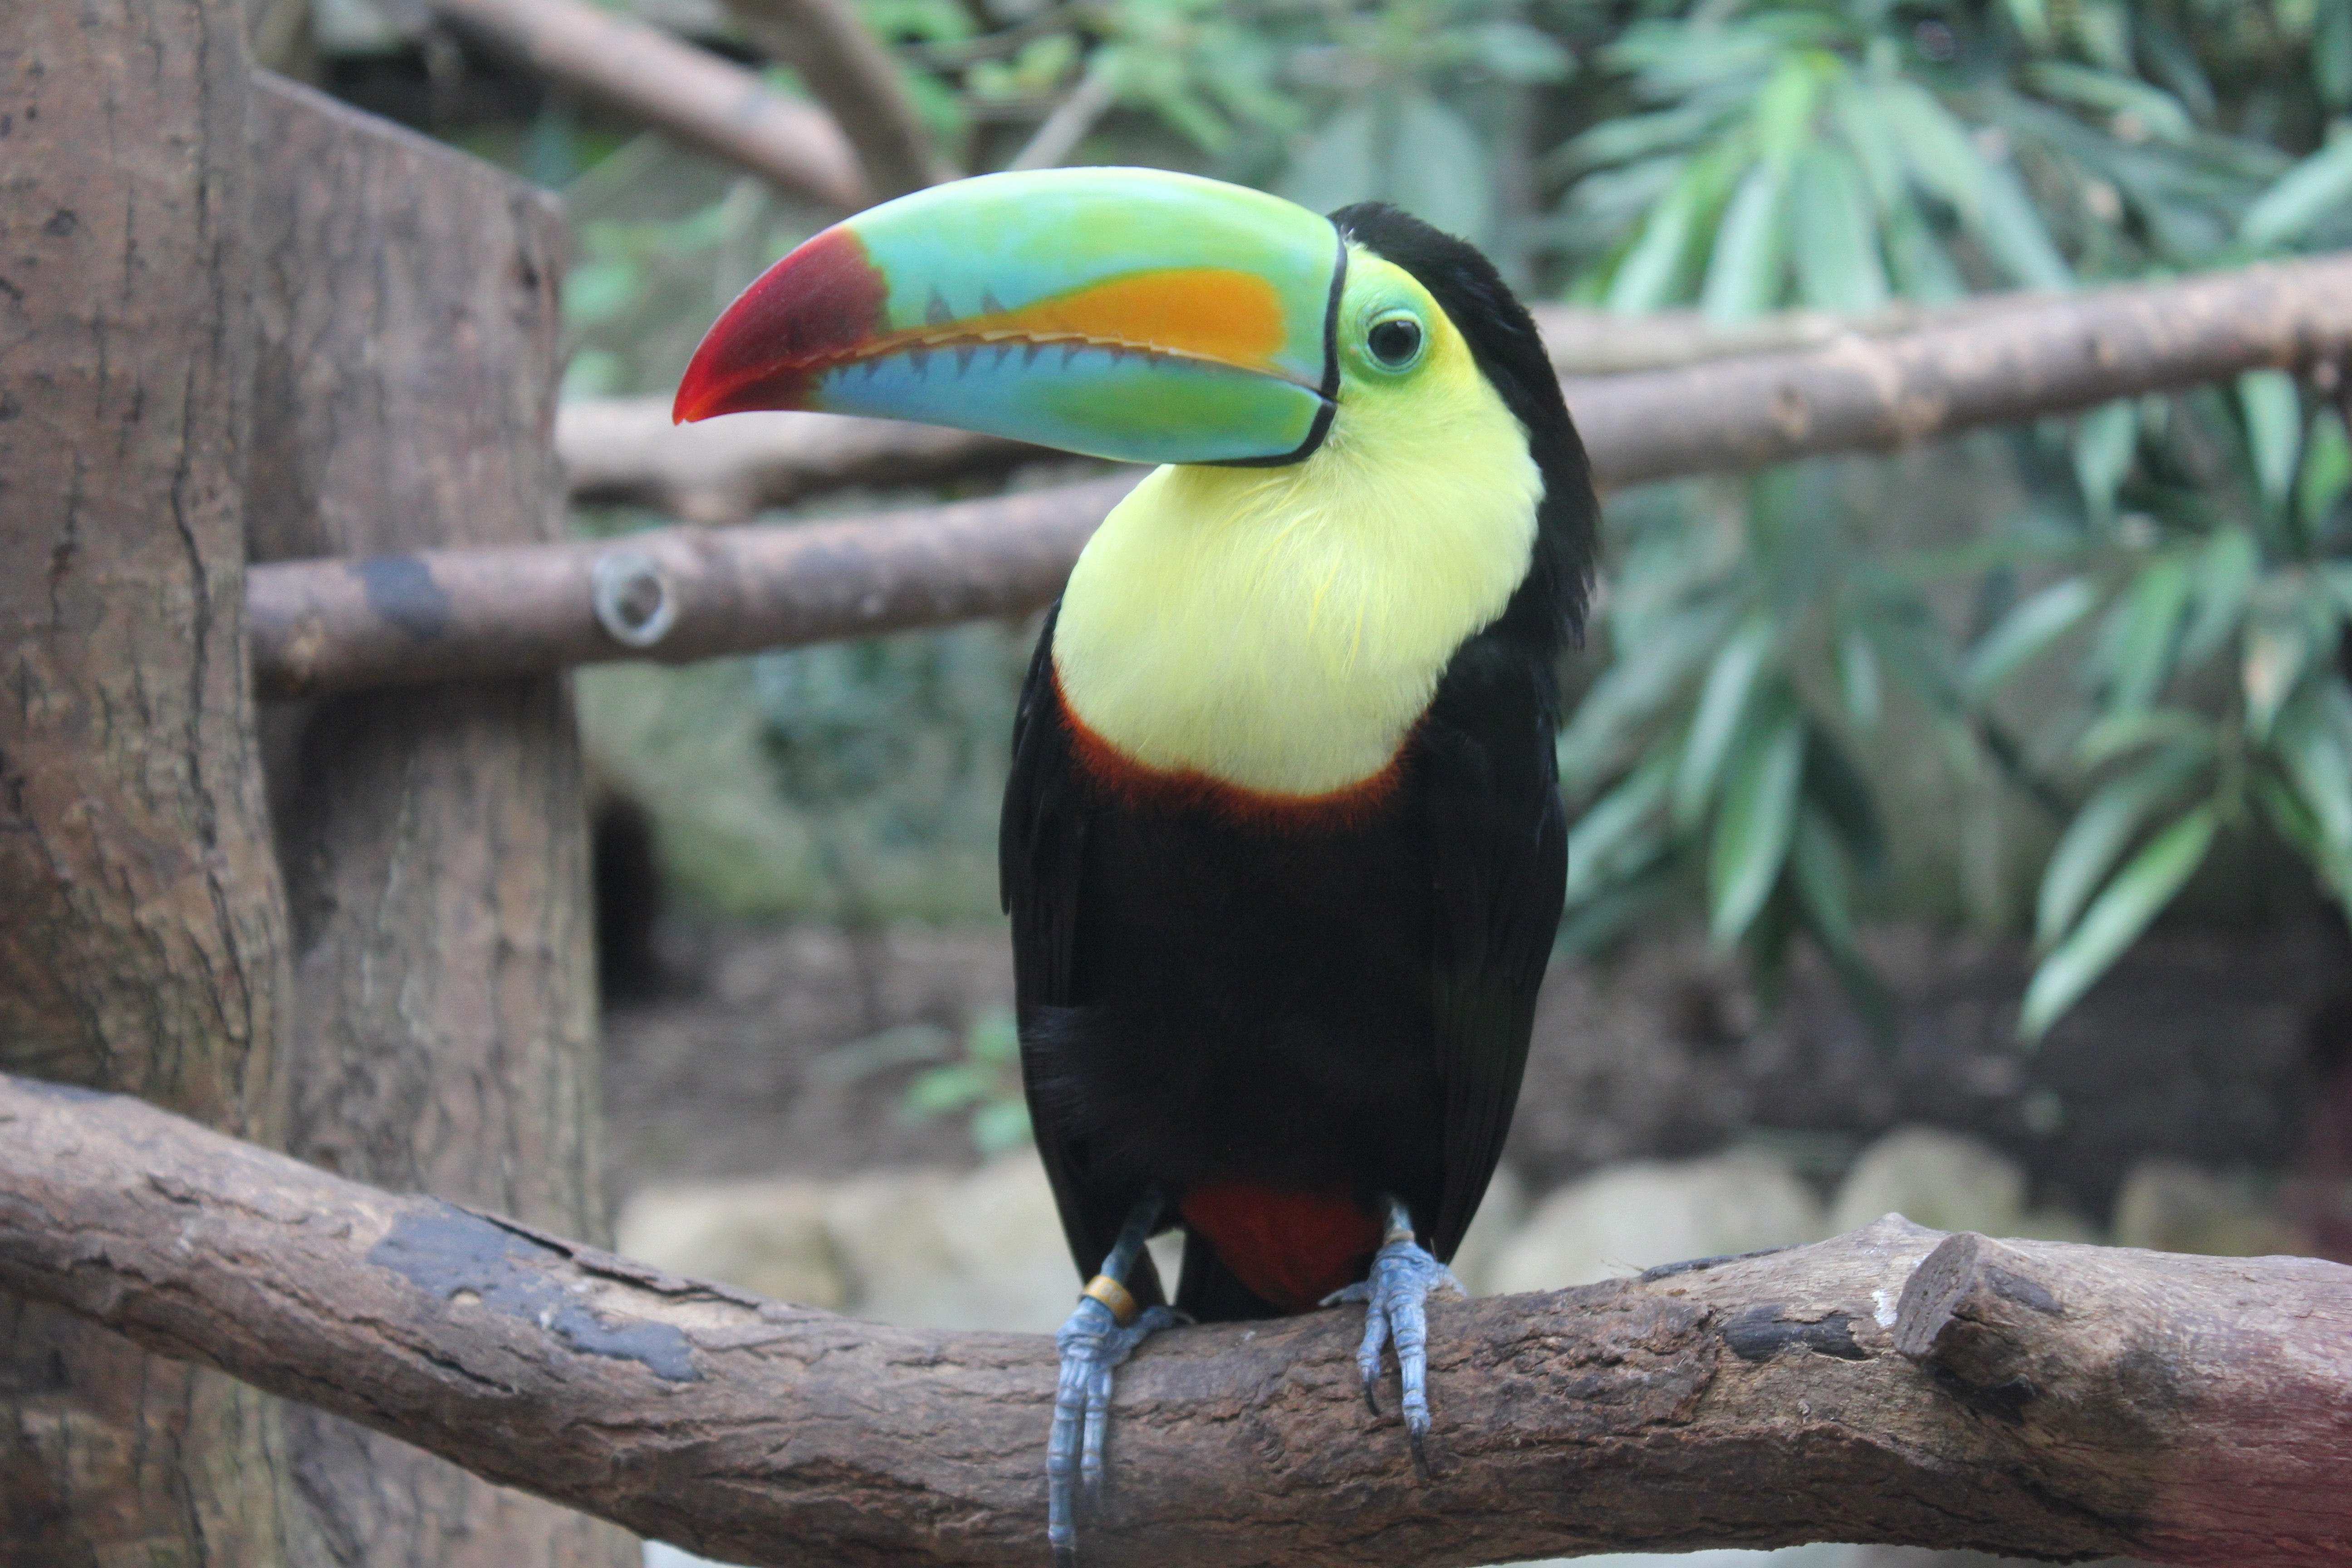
1123 314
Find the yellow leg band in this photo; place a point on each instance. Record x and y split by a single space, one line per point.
1115 1295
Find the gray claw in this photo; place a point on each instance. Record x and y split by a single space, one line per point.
1403 1277
1092 1344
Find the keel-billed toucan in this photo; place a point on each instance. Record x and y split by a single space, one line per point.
1283 844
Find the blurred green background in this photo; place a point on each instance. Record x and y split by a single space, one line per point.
2049 682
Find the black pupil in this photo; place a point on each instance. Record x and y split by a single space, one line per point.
1393 343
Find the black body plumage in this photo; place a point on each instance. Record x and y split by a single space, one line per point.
1204 999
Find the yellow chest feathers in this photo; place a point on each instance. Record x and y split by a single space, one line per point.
1282 629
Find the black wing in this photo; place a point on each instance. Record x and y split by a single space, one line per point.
1041 853
1498 857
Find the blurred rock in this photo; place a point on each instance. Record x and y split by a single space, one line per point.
1947 1181
1943 1180
769 1236
2171 1206
1632 1216
924 1248
1499 1218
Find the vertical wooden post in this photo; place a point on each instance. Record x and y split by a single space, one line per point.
142 929
433 840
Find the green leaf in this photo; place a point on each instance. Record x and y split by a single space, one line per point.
1743 275
1651 273
2139 644
2134 899
2278 650
1818 867
1924 267
2011 230
1723 702
2316 188
1838 264
2024 633
1438 170
1753 827
2100 832
2274 409
2331 54
2120 734
2106 440
2326 471
1934 144
2226 570
1616 836
999 1125
2155 109
1858 678
2313 743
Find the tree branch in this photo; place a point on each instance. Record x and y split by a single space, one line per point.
1891 1385
690 93
848 67
325 625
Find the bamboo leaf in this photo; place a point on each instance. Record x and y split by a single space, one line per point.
2327 471
2010 227
2318 186
2120 734
2278 651
1615 836
1752 827
2106 440
2226 570
2024 633
2138 644
2313 743
2099 834
1858 678
2134 899
1838 264
1723 702
2274 410
1743 276
1934 144
1818 867
1645 279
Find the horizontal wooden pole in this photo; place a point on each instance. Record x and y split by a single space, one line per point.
339 624
1893 1385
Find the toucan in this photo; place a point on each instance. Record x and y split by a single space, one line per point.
1282 842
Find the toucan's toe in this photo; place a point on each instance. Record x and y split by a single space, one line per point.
1396 1296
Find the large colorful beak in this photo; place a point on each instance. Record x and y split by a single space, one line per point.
1123 314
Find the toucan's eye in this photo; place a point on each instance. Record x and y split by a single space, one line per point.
1394 341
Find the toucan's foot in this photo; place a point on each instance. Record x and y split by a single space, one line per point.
1092 1342
1103 1332
1404 1276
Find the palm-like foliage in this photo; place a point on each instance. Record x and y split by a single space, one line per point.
1839 156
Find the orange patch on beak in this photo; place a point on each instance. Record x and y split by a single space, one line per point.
1198 313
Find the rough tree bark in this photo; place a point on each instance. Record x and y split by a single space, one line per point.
1893 1385
434 844
330 625
142 943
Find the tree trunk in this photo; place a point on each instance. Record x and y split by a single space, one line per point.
435 844
143 947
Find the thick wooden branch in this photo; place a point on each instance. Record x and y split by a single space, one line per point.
690 93
1893 1385
325 625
